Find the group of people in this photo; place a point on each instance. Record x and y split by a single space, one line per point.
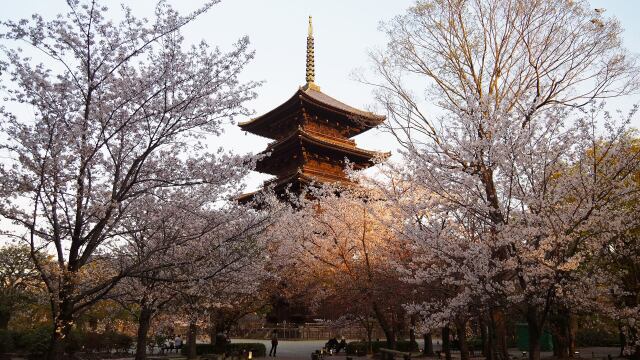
170 345
334 346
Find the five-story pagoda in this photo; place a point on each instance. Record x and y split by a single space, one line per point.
311 133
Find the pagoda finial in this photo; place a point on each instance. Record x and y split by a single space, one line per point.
311 70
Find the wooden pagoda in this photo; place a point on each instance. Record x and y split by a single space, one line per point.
312 136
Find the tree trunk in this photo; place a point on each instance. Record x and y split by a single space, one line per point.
535 332
61 330
499 340
412 335
461 328
5 317
573 334
561 334
635 353
632 344
428 344
446 345
191 341
623 340
386 327
213 323
212 335
484 337
369 341
144 323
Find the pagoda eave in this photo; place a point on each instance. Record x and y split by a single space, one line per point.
300 141
356 120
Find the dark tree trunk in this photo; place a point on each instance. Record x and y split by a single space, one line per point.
560 327
191 341
221 341
369 335
212 334
428 344
631 343
484 337
573 333
446 345
412 335
144 323
61 331
499 338
461 328
5 317
535 332
635 353
623 340
386 327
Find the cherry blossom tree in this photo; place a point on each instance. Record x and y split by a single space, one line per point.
233 269
510 178
120 111
177 230
345 251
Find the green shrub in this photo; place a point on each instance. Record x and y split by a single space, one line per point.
361 347
119 342
94 342
6 341
34 341
474 343
258 349
597 337
74 342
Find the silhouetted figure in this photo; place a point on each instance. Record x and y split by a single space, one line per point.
332 344
342 345
274 343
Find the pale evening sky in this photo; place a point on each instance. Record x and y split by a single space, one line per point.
345 30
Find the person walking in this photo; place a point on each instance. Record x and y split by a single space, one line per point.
178 342
274 343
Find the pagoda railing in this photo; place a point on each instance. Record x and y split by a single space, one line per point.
332 139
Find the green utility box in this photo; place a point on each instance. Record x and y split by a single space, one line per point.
522 334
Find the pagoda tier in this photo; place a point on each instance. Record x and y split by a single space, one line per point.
309 107
304 149
311 133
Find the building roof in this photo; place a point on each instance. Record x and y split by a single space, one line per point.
298 177
357 120
300 138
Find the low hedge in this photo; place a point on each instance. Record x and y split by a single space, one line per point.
361 347
474 343
6 341
35 341
597 337
258 349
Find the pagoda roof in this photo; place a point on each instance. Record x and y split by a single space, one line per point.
357 120
296 178
300 138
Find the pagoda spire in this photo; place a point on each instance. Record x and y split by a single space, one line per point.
310 68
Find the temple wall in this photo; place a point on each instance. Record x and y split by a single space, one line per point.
327 128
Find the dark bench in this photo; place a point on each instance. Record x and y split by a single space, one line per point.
389 354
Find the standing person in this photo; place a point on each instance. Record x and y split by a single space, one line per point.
274 343
178 342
